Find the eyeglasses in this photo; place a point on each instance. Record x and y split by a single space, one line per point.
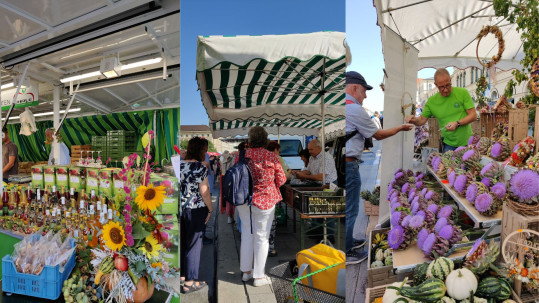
445 87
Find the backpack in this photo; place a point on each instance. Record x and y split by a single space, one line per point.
238 183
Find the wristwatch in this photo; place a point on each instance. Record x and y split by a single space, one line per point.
458 123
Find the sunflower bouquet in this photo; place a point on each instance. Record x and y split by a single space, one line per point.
131 261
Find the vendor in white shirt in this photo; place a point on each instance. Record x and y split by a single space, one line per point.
65 158
314 168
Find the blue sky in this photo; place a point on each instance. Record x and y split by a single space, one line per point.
245 17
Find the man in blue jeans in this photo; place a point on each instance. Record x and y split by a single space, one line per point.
358 127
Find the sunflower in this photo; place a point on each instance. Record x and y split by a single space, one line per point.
150 247
150 197
114 235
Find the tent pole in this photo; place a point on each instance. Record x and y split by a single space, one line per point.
56 122
322 92
279 133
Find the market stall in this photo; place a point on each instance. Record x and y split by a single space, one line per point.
106 82
465 228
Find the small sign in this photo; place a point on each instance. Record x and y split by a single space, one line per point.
49 178
92 182
176 164
74 179
28 96
61 177
37 177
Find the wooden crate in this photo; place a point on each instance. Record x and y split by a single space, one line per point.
536 129
435 136
370 209
518 125
476 127
79 148
489 121
512 221
381 275
373 293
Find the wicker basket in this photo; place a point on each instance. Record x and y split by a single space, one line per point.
522 208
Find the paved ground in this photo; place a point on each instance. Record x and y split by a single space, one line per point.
356 275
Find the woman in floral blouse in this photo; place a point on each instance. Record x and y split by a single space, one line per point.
196 210
268 176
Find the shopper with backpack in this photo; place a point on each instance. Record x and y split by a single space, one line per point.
196 208
256 217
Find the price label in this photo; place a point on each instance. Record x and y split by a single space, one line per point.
74 179
49 178
92 182
61 177
105 184
37 177
118 184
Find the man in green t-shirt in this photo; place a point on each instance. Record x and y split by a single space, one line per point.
453 108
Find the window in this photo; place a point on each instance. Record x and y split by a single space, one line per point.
464 79
471 80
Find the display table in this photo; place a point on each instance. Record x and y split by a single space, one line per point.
406 260
480 220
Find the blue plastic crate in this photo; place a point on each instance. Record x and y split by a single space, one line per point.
48 285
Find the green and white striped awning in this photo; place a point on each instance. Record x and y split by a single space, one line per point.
278 78
223 129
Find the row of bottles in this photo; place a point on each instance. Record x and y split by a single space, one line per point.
81 215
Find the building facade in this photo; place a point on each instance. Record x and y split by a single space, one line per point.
189 131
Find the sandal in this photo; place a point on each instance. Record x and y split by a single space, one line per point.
188 289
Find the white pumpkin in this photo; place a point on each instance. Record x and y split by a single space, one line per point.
390 295
509 301
460 283
377 264
380 255
387 253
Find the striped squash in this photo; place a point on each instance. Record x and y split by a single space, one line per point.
430 291
440 268
494 288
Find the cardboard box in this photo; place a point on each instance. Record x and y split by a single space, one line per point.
37 176
106 183
62 176
92 179
49 175
76 177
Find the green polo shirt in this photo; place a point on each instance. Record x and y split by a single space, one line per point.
451 109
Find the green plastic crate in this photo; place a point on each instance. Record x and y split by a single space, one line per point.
120 132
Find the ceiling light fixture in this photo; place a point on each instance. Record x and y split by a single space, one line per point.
105 84
7 85
113 70
73 110
110 67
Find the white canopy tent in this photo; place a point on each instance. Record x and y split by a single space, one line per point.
420 34
288 83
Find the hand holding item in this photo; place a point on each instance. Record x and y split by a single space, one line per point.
407 127
451 126
410 119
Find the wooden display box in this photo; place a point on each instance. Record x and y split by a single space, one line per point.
381 275
370 209
79 148
435 136
489 121
476 127
372 293
536 129
525 298
511 222
518 125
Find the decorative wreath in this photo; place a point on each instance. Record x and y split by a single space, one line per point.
405 106
493 29
534 78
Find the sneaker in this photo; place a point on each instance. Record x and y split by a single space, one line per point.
230 220
355 257
246 277
358 244
262 281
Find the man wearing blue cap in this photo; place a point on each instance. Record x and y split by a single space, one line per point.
358 127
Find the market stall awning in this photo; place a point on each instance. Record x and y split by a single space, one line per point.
444 32
272 77
291 127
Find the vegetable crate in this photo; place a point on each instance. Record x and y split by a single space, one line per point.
489 120
525 298
292 194
435 136
322 203
380 275
373 293
47 285
518 125
282 278
370 209
512 221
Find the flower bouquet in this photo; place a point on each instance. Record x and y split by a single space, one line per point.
522 151
131 262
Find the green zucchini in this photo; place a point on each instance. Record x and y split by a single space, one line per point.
430 291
